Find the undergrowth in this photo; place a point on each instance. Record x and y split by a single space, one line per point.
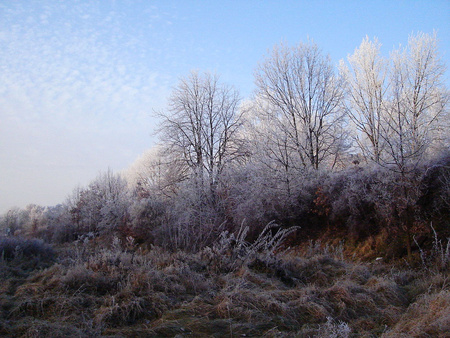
234 288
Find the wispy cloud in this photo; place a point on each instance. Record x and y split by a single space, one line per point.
73 94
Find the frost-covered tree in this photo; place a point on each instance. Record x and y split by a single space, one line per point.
271 148
201 126
156 173
199 135
418 99
102 205
366 79
36 216
13 220
305 95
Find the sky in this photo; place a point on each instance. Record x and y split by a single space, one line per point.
80 81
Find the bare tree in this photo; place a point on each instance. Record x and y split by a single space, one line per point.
418 98
367 86
156 172
271 146
14 219
305 96
201 126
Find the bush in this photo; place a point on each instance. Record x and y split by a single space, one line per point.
12 248
26 254
146 216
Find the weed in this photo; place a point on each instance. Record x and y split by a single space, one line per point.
334 329
439 257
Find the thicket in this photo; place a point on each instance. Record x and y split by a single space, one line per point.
356 205
357 153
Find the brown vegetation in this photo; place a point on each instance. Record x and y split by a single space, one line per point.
91 289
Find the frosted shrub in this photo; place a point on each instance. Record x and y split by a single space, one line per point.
268 243
334 329
19 248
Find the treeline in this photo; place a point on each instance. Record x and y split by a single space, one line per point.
360 204
360 152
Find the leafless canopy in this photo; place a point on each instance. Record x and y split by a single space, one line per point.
418 98
201 125
305 93
366 99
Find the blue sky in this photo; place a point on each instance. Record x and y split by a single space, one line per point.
79 80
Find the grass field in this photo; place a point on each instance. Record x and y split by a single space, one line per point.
95 289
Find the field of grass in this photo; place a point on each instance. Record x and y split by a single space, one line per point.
104 287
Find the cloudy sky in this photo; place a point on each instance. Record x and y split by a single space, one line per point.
79 80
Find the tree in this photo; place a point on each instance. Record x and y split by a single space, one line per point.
417 100
305 96
200 134
156 173
36 215
367 86
201 126
13 220
271 147
101 206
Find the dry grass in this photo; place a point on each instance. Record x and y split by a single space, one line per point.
91 292
428 317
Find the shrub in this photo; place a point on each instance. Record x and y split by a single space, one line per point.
13 248
146 215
